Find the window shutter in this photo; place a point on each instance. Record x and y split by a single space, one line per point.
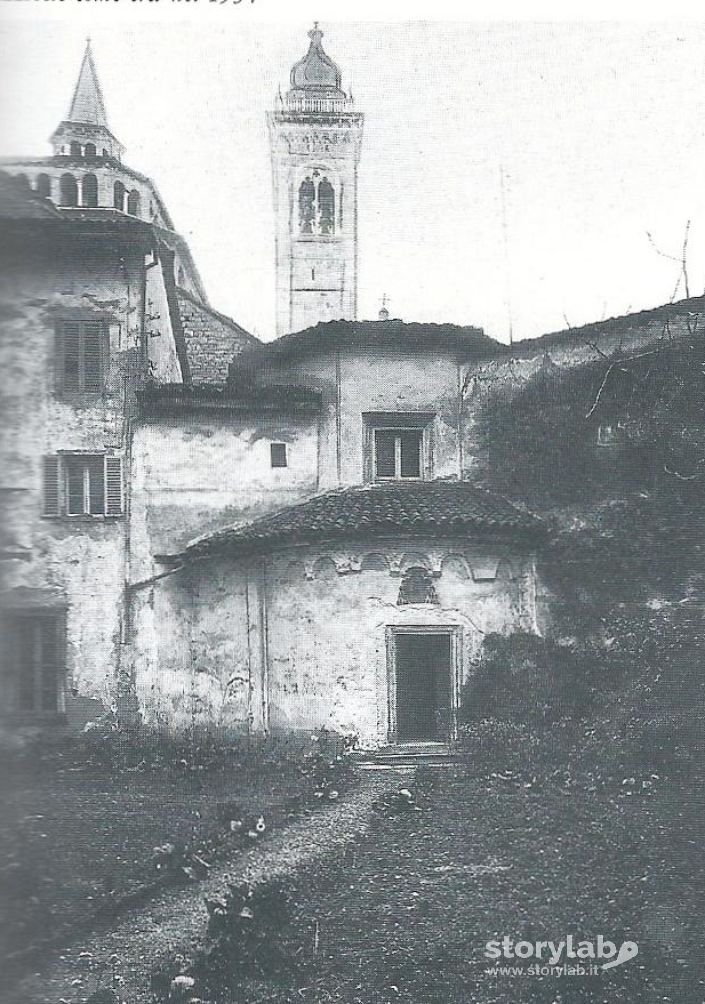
93 336
70 357
52 498
113 486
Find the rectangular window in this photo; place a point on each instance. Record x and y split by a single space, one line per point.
80 356
397 453
83 484
278 455
34 661
609 434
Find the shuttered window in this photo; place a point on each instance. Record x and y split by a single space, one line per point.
80 356
34 658
113 486
82 484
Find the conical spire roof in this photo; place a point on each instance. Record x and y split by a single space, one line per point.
87 104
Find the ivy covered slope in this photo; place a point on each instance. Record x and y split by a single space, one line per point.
611 452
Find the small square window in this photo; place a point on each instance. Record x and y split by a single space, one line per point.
609 434
278 455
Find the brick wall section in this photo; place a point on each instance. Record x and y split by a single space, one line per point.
212 340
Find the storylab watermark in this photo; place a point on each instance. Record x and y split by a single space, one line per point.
567 957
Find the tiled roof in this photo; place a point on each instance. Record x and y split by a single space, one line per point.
462 340
212 339
586 333
19 202
447 507
161 398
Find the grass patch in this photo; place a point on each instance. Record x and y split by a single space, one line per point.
79 826
407 916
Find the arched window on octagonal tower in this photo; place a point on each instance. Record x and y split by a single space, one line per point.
316 205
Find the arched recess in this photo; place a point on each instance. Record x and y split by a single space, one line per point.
455 565
324 568
23 180
68 190
133 203
90 150
180 276
374 562
119 196
44 185
89 191
75 150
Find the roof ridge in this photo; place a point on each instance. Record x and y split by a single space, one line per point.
325 516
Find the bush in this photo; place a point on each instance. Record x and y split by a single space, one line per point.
523 678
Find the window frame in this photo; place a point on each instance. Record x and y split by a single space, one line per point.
102 356
317 176
398 434
609 434
399 423
56 491
11 619
282 453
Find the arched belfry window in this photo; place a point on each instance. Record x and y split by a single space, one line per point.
326 206
119 195
133 203
69 190
90 150
75 149
316 205
90 190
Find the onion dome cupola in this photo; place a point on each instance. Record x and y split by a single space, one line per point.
316 81
84 132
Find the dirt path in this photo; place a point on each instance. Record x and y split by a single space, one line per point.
176 920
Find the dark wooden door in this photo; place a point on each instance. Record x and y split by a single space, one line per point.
423 686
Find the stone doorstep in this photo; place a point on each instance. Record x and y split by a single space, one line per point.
406 754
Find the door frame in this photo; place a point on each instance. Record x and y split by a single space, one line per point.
452 631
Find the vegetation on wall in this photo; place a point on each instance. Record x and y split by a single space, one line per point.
624 561
541 435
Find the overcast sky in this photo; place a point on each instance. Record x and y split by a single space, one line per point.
599 129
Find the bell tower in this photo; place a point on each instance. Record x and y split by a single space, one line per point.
315 137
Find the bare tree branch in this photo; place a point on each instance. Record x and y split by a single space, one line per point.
618 364
684 259
602 387
681 477
681 260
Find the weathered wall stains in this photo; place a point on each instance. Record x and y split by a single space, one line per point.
355 383
198 472
80 561
297 640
